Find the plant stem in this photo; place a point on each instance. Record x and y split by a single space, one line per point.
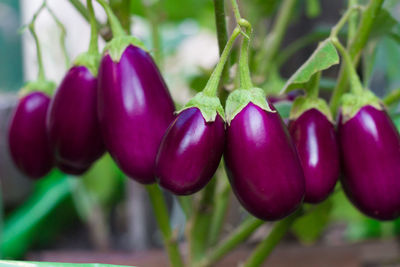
122 10
212 84
186 205
93 45
339 25
62 35
31 26
264 249
221 205
161 213
116 27
352 23
244 70
313 85
155 32
357 44
243 232
355 82
200 224
222 36
392 98
264 61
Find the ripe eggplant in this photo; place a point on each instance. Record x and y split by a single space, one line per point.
262 163
190 152
315 139
134 110
370 151
27 135
72 123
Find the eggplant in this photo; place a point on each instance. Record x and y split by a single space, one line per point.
315 138
72 123
27 135
262 163
134 110
190 152
370 152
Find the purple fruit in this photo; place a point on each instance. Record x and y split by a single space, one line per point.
134 109
262 164
370 151
190 152
315 139
72 123
27 136
73 170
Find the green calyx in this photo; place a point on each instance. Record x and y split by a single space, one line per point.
117 46
240 98
352 103
209 106
44 86
302 104
90 61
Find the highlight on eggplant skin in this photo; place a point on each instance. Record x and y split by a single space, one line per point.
27 136
262 164
72 123
370 151
318 149
134 110
190 152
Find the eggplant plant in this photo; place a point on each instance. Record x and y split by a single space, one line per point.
285 166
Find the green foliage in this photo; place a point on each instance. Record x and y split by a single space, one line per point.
323 57
310 227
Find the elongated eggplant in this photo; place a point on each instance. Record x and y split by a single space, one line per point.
370 151
72 122
134 109
262 163
27 136
190 152
315 139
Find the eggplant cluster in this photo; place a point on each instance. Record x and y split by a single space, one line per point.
126 109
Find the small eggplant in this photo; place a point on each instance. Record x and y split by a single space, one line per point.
315 138
262 162
190 152
72 122
370 151
134 110
27 136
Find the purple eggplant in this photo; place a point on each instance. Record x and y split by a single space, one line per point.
315 139
370 151
72 123
134 109
190 152
73 170
27 136
262 163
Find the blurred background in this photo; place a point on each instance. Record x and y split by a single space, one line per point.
104 216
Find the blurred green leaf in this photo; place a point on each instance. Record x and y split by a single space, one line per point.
40 217
313 8
383 24
310 226
284 108
323 57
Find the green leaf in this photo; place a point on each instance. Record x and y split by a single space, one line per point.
383 24
323 57
309 227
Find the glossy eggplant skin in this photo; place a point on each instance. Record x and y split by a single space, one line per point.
190 152
72 123
27 135
370 151
262 164
134 109
318 149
